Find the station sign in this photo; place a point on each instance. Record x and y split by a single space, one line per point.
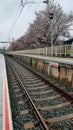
53 64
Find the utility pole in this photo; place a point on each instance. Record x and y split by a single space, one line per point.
22 3
51 16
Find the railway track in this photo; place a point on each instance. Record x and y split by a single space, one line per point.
66 87
53 107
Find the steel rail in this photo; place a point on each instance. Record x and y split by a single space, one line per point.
36 112
68 96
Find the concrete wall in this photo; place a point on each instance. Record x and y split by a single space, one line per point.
70 76
54 72
63 73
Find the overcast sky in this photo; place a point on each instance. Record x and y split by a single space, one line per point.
8 10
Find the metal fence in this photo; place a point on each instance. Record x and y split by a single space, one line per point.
61 50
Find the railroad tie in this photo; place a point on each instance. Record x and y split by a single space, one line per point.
24 112
37 93
20 102
17 90
15 86
29 125
15 83
64 117
54 107
49 98
35 88
71 93
36 84
19 95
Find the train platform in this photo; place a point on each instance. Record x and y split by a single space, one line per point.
5 111
64 60
1 90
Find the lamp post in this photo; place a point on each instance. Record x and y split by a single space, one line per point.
51 16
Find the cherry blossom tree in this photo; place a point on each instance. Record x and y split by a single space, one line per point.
39 32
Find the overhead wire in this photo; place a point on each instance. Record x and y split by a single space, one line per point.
29 15
27 11
19 11
14 20
18 14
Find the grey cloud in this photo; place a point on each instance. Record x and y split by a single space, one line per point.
8 8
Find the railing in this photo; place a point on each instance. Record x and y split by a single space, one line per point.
61 50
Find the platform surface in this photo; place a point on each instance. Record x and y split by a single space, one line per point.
64 60
1 90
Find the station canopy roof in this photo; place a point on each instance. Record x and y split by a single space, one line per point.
69 41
